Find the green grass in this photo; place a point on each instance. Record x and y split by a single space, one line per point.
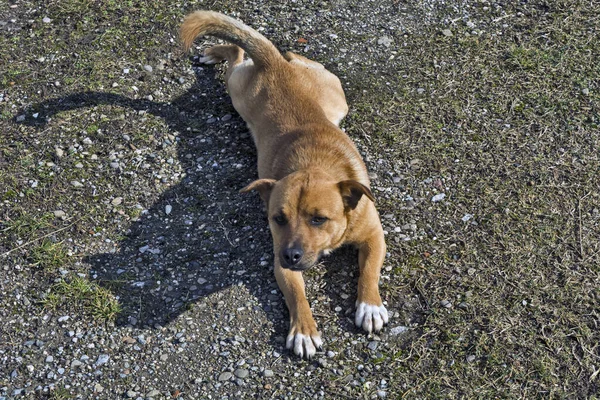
97 301
48 255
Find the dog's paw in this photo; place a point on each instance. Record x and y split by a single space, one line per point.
304 345
371 317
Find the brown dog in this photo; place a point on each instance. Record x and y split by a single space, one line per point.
312 178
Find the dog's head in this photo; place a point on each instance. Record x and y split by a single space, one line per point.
308 214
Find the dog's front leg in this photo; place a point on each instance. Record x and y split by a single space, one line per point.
371 315
303 336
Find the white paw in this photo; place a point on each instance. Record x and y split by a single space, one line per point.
303 345
208 60
370 317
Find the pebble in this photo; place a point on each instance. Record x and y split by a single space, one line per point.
114 165
241 373
87 141
79 165
385 40
20 118
446 304
98 388
75 364
77 184
373 345
102 359
59 152
225 376
63 318
59 213
470 358
46 20
267 373
330 354
153 393
116 201
381 393
168 209
447 32
148 68
397 330
226 117
438 197
131 394
49 359
466 217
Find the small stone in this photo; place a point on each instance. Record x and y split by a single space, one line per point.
168 209
225 376
471 271
98 388
446 304
59 152
114 165
148 68
63 318
75 364
77 184
164 357
466 217
330 354
46 20
125 70
131 394
470 25
201 281
241 373
397 330
585 91
128 340
116 201
373 345
420 90
447 32
87 141
79 165
470 358
381 394
153 393
322 362
20 118
267 373
49 359
102 359
59 213
438 197
385 40
14 374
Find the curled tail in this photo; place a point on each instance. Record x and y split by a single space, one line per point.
258 47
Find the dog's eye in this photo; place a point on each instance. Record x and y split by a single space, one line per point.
280 219
316 221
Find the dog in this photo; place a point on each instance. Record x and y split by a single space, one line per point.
312 179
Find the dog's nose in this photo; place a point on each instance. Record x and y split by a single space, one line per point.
292 256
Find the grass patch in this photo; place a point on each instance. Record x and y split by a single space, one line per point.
97 301
49 255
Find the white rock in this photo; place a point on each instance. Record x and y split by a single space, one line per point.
438 197
168 209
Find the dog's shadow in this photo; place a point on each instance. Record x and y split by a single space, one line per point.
201 236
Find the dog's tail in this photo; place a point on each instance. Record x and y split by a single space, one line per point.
258 47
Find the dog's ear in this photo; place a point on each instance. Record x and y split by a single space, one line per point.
264 187
352 191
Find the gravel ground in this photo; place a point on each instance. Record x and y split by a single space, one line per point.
131 267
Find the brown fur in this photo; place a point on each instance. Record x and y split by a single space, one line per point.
308 168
